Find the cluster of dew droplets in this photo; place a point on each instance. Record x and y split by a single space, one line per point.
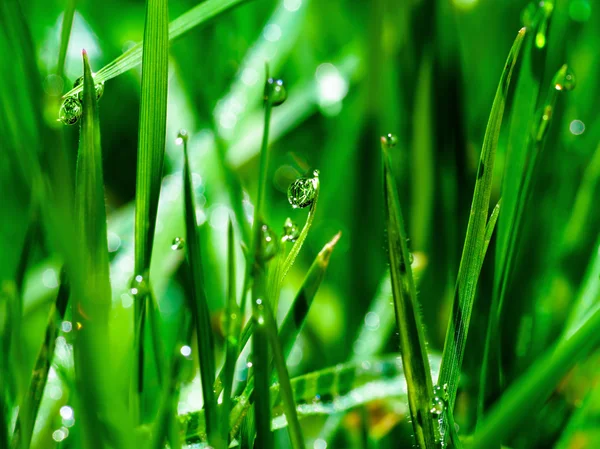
303 191
71 108
439 406
389 140
275 92
291 232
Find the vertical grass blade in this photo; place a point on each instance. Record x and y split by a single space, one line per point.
65 34
408 319
199 303
151 149
232 333
472 255
92 291
537 384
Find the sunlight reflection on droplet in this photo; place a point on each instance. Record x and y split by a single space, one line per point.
577 127
66 412
292 5
49 278
186 351
66 326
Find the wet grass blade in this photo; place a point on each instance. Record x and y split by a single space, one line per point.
538 383
91 286
472 255
65 34
198 15
232 332
151 149
408 319
199 303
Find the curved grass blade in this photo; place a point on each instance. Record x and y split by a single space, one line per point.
151 149
39 376
538 383
198 15
329 391
408 319
199 303
472 256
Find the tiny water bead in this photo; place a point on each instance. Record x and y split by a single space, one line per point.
440 400
269 245
291 232
275 92
303 191
98 86
177 244
182 136
389 140
70 111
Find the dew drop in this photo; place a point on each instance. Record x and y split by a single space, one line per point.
303 191
275 92
440 400
98 86
177 244
291 232
564 79
269 245
389 140
138 286
70 111
182 136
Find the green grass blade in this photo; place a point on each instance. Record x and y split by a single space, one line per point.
538 383
151 149
232 332
65 34
91 285
199 305
471 259
408 319
490 226
285 387
198 15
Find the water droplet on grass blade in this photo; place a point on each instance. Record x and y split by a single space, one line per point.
269 245
389 140
440 400
177 243
275 92
182 136
70 111
291 232
139 286
303 191
564 79
98 86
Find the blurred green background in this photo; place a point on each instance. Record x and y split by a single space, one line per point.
425 70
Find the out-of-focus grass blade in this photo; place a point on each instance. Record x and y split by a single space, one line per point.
538 383
199 14
408 319
329 391
33 395
65 34
151 150
232 333
92 293
285 388
471 259
199 304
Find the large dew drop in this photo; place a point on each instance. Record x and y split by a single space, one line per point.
303 191
70 111
440 400
99 88
177 243
275 92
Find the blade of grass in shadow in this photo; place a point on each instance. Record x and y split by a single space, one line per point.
92 292
406 306
39 376
472 255
198 15
199 303
232 332
65 34
537 384
151 149
507 252
267 321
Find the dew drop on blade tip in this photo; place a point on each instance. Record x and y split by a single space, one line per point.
303 191
389 140
182 136
275 92
70 111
